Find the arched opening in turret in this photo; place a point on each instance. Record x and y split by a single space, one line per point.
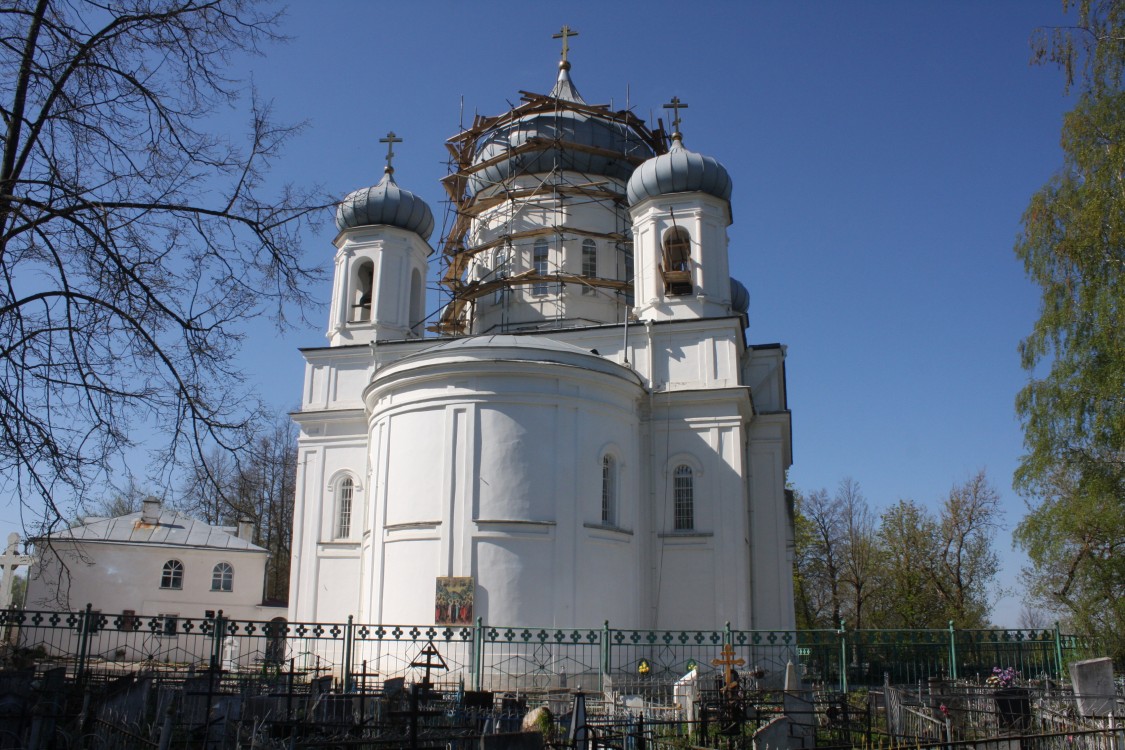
361 292
417 302
676 265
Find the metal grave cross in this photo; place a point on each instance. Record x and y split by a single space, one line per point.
430 653
727 660
565 33
9 561
676 105
390 140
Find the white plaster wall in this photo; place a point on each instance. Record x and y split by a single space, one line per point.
114 577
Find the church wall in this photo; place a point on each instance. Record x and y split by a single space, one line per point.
771 527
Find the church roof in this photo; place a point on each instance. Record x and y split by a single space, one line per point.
509 348
679 171
170 528
385 203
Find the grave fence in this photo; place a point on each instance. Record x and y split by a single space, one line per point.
481 656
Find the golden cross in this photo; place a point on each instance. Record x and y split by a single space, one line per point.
390 140
565 33
727 661
676 105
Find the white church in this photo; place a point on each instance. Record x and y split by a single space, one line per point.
583 432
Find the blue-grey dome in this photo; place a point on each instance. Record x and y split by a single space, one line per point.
554 130
386 203
739 297
679 171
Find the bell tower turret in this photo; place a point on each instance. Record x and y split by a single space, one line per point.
679 203
379 287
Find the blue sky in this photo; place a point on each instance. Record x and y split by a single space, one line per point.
881 152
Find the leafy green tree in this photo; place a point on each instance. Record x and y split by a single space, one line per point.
908 535
1072 245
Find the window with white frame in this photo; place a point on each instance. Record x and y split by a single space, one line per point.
683 498
222 577
345 493
539 265
589 263
609 490
172 577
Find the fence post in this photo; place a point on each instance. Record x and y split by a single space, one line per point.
83 641
478 654
605 660
349 632
952 651
843 657
217 641
1058 652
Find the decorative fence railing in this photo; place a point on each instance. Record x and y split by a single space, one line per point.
521 659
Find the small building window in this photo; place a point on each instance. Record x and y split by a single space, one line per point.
222 577
173 575
539 265
344 493
589 263
683 498
609 490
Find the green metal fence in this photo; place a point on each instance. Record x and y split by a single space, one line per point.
522 659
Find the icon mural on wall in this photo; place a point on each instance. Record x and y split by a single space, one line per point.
454 601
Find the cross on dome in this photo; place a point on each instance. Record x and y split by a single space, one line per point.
390 140
565 33
676 105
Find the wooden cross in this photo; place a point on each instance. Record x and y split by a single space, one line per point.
727 661
676 105
9 561
565 33
390 140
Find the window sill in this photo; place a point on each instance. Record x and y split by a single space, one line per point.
608 527
684 534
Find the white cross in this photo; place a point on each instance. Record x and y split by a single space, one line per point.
9 561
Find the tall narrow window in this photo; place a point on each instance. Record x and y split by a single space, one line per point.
609 490
222 577
683 498
501 272
361 296
344 508
172 576
539 265
589 263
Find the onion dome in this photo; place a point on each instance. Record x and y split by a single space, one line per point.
679 171
607 145
739 297
386 203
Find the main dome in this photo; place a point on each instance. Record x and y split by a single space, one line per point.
679 171
572 136
385 203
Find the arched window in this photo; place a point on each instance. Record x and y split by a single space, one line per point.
344 494
222 577
361 295
609 490
683 498
539 265
677 249
173 575
589 263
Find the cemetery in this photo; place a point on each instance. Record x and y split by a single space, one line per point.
92 679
